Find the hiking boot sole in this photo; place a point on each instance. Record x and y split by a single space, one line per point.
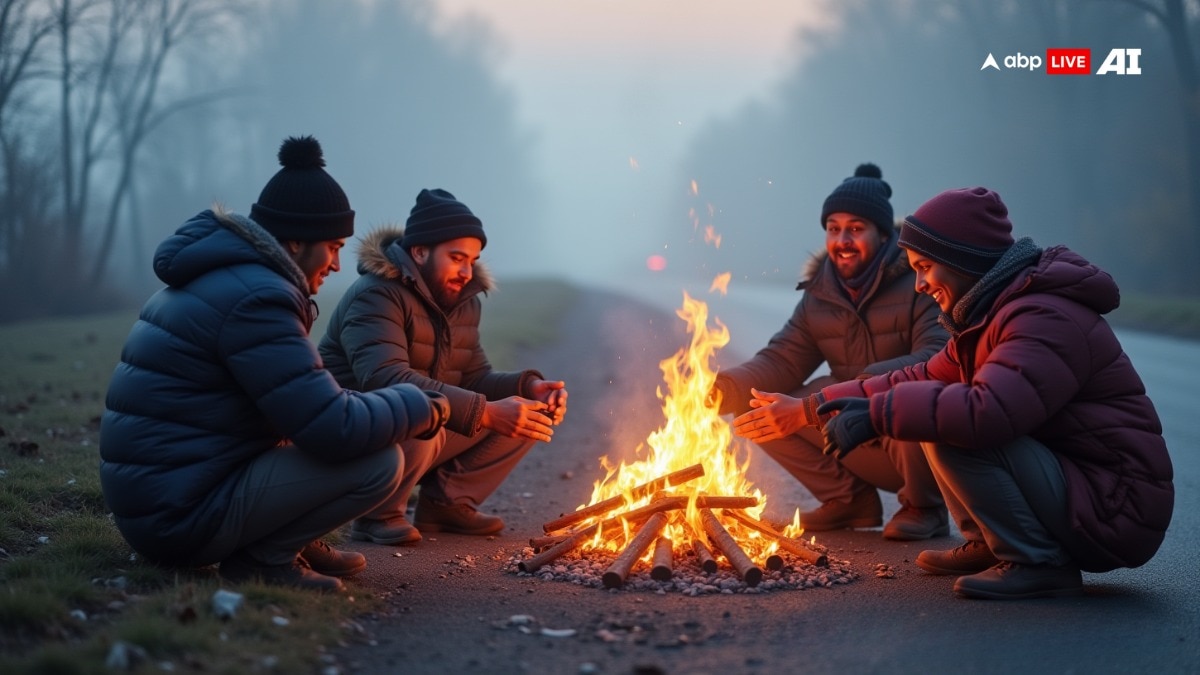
450 529
341 571
411 539
855 524
981 594
954 572
901 535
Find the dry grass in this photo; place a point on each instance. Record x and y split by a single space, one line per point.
70 588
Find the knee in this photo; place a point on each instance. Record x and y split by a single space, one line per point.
420 455
386 469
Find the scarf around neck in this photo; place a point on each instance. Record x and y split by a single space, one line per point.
972 306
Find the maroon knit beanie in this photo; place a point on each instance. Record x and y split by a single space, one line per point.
967 229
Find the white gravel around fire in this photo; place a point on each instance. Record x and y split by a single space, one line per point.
587 569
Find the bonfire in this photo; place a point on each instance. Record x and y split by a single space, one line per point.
688 497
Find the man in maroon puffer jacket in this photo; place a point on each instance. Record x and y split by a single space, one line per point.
1037 427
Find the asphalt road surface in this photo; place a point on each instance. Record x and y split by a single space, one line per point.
451 602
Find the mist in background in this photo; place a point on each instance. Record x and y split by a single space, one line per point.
592 135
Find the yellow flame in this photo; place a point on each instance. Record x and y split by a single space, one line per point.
693 433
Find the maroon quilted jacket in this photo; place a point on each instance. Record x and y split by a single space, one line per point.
1044 363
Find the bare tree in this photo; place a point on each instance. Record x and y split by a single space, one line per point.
1172 16
161 27
23 32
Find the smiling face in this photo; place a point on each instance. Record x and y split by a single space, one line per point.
447 267
852 242
940 282
316 259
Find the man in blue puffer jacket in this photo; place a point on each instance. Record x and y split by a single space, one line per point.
224 439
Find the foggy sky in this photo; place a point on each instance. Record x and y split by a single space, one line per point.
575 133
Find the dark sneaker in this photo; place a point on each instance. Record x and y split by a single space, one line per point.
971 557
1013 581
865 510
325 559
913 524
457 518
391 532
239 568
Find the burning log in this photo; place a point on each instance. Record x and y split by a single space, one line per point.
573 540
774 562
704 557
720 537
614 577
662 560
786 543
599 508
576 539
543 543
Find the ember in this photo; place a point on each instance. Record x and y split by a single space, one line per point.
689 498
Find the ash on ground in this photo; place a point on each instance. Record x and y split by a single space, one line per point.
587 568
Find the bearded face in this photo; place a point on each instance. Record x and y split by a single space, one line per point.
852 242
447 267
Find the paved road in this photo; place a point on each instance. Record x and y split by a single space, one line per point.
451 600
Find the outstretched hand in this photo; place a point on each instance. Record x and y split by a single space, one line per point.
519 417
849 428
773 416
554 395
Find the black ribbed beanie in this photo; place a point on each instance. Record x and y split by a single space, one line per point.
302 202
865 194
438 216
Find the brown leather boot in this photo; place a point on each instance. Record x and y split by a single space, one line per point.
1014 581
969 558
913 524
240 568
391 532
864 510
457 518
325 559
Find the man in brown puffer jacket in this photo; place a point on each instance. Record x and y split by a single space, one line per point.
413 316
860 315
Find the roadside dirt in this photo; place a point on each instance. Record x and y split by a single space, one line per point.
452 606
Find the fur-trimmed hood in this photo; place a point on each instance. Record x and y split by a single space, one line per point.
378 254
200 246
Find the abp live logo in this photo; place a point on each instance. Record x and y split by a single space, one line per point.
1072 61
1078 62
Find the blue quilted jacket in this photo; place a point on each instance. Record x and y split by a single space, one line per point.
217 370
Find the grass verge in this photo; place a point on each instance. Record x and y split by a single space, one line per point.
73 594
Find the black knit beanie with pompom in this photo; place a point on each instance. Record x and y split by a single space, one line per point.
866 195
302 202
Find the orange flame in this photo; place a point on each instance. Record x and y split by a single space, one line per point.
711 236
693 433
721 283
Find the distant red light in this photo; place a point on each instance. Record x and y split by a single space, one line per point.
656 263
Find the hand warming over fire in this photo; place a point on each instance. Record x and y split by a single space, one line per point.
774 416
517 417
553 394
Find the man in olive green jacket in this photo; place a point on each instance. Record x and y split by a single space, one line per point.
860 315
413 316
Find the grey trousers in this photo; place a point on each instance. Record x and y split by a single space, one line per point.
884 463
454 469
286 498
1013 498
